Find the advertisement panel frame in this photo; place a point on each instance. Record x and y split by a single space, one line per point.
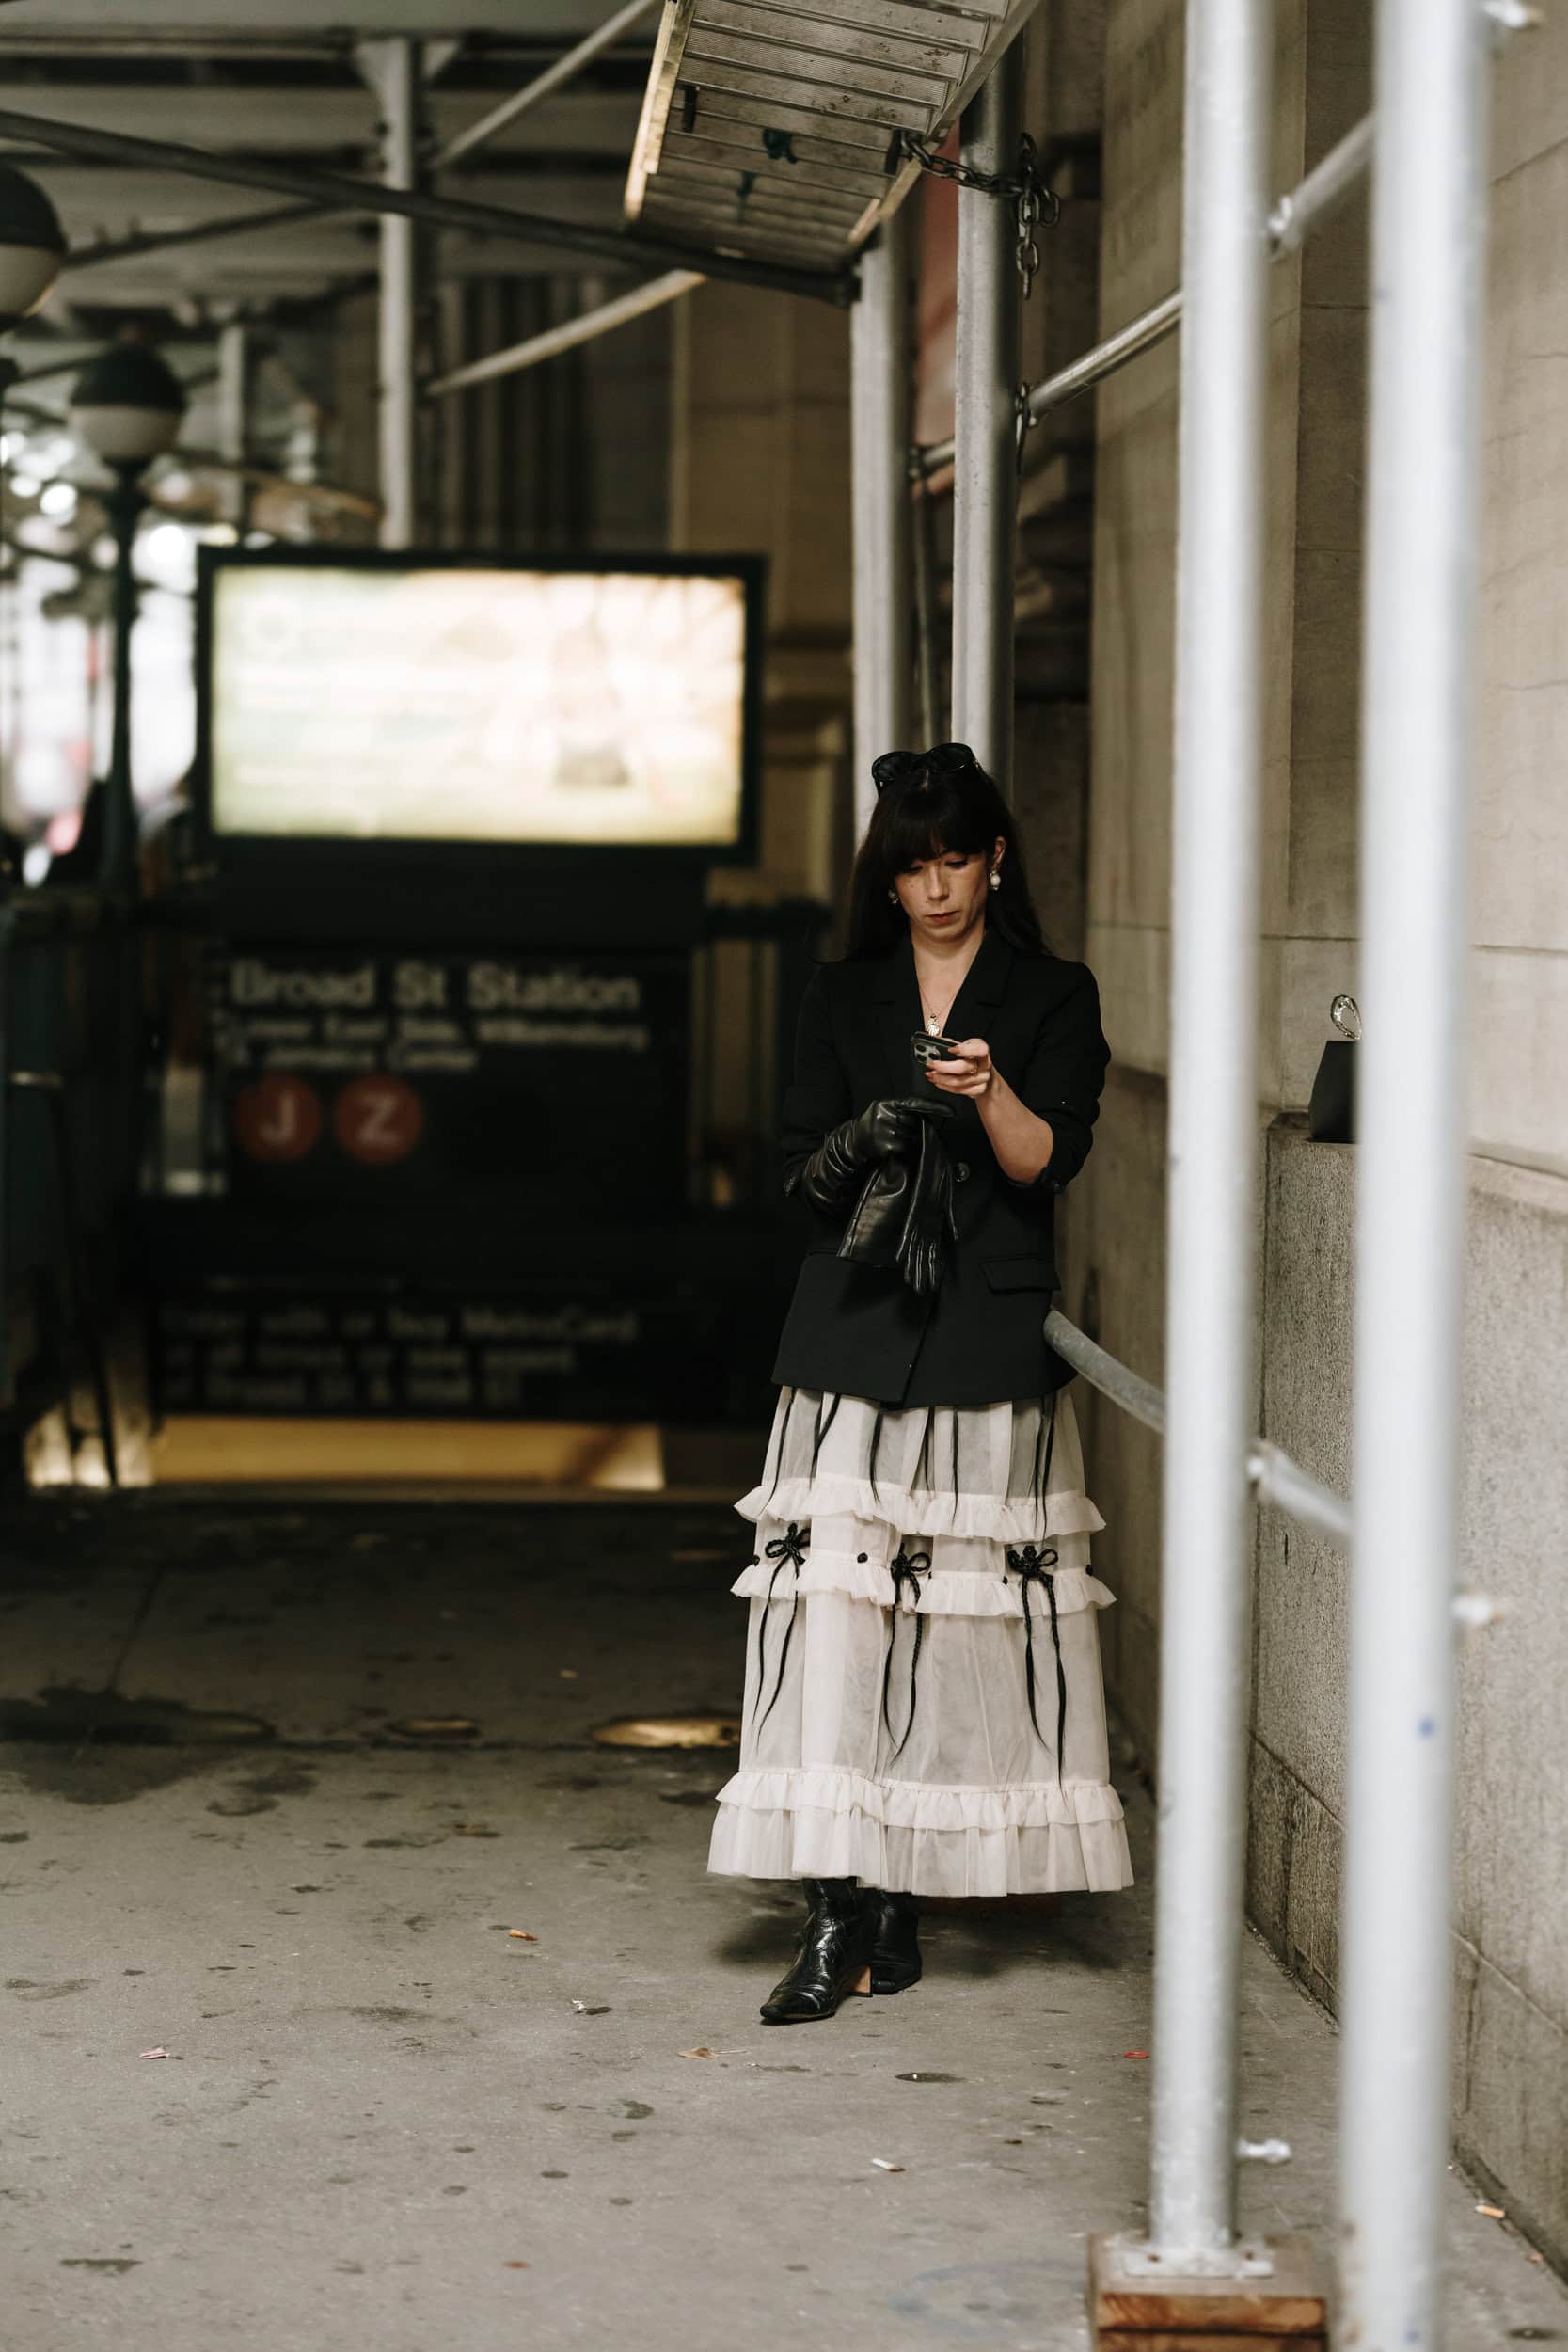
263 859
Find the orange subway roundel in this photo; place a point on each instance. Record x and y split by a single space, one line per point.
378 1120
277 1118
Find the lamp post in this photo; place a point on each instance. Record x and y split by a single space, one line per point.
31 245
128 408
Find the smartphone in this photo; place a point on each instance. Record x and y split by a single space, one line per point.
928 1049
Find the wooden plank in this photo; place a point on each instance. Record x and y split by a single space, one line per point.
861 143
830 67
720 230
746 153
778 198
831 236
909 19
827 39
823 102
717 221
1287 2303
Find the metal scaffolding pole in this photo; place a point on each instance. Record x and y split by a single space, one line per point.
985 486
1429 237
1213 1132
1298 212
553 341
544 85
880 374
233 405
393 68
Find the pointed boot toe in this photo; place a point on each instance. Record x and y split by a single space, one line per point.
834 1959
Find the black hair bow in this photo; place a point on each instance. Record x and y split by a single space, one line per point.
897 768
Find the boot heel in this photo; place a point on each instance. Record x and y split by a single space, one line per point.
862 1982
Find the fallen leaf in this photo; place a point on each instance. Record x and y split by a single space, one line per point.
522 1935
568 1673
885 2164
473 1829
1135 2054
701 2051
514 2266
159 2051
1493 2212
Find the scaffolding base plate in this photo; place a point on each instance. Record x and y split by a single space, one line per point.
1131 2311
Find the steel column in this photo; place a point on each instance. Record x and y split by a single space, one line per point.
125 503
234 403
392 67
985 486
1429 235
881 375
1213 1129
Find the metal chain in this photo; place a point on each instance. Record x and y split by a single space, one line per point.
1033 200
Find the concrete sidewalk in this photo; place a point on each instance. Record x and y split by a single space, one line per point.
398 2126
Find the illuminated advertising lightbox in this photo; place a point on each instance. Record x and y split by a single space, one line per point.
356 698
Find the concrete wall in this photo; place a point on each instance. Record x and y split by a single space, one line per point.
760 463
1511 2086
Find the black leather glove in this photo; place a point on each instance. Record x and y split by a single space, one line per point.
903 1218
930 1223
885 1130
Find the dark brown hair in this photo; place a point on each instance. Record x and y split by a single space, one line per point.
935 803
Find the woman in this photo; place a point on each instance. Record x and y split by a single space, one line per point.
923 1711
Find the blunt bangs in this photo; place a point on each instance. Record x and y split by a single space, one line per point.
930 820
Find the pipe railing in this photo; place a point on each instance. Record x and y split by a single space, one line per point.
554 77
552 341
1294 217
1272 1474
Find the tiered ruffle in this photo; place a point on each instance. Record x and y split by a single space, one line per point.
961 1754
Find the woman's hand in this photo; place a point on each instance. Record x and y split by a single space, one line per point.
974 1075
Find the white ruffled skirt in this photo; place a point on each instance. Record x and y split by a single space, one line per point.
924 1708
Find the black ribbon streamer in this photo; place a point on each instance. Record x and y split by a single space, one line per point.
786 1552
905 1569
1033 1566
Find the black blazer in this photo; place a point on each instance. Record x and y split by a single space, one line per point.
858 1330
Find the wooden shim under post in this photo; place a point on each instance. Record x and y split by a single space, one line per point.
1286 2311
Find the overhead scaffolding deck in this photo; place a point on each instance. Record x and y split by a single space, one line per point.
776 129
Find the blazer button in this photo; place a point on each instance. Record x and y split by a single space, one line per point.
961 1171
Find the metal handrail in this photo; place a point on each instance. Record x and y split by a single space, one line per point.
1296 215
1276 1477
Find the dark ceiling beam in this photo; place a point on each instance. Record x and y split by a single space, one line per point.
334 191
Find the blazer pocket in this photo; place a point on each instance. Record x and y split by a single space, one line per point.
1021 1274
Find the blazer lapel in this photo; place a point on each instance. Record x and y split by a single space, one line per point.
983 983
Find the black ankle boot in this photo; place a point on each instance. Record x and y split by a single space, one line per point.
894 1924
832 1960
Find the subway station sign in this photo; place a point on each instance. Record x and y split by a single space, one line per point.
475 1076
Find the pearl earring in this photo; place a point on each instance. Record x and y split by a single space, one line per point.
893 898
996 878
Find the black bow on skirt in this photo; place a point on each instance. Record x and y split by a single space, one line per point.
787 1550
